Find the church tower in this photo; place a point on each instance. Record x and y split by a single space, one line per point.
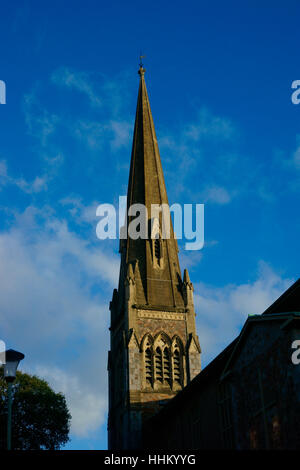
154 350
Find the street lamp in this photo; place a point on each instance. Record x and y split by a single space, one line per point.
12 359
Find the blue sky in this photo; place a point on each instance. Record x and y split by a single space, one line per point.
219 79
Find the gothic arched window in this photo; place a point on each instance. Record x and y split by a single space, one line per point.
148 361
176 362
156 243
158 365
148 367
167 366
162 361
157 250
177 349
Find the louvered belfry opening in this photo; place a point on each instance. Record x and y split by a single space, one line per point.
158 365
177 368
148 367
167 366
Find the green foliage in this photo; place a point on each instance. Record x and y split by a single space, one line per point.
40 417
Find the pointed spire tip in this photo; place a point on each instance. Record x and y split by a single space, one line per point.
141 71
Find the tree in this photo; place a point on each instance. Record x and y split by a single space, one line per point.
40 417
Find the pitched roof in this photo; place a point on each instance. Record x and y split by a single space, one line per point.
287 319
289 301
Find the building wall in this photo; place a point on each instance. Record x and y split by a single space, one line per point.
191 420
255 405
266 398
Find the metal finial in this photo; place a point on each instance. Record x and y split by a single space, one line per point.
141 62
141 70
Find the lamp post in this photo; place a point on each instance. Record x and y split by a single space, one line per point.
12 359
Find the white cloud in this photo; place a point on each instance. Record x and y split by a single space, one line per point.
79 211
43 126
3 169
111 125
296 158
3 173
122 133
205 126
216 194
40 123
55 289
79 81
37 185
290 161
222 311
87 405
209 125
96 134
189 259
102 92
207 144
92 133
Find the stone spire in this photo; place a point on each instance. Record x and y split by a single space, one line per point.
158 282
154 348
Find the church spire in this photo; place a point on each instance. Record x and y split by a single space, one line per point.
159 272
154 351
